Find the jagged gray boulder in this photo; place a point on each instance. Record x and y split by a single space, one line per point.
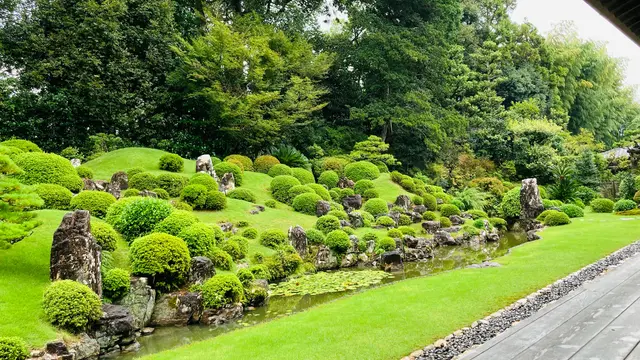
119 182
352 202
431 226
322 208
444 238
456 220
177 309
356 220
404 201
391 261
345 183
325 259
530 200
298 239
223 315
140 300
75 254
202 269
420 209
115 330
86 348
227 183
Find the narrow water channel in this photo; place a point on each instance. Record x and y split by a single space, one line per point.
445 258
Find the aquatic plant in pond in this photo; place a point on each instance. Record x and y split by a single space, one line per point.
328 282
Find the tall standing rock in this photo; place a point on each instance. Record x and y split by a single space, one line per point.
403 201
530 201
227 183
298 238
119 182
205 165
75 255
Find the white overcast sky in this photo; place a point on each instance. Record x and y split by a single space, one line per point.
544 14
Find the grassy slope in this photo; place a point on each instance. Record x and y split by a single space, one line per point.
387 189
391 321
127 158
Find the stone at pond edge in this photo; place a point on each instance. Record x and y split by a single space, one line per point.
530 201
456 220
140 300
532 236
202 269
177 309
298 239
86 348
391 261
431 226
57 347
119 181
115 330
75 255
322 208
444 238
325 259
223 315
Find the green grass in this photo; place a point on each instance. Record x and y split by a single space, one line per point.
127 158
387 189
391 321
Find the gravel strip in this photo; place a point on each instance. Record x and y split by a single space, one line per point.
487 328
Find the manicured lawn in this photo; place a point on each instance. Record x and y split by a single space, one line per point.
392 321
387 189
127 158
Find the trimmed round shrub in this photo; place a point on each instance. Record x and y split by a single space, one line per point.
407 230
445 222
367 218
573 211
71 305
556 218
162 194
386 243
172 183
363 185
394 233
270 203
279 170
134 171
361 170
315 237
250 233
105 235
338 241
306 203
408 184
143 181
245 276
41 168
227 167
96 202
477 214
543 215
404 220
370 236
13 348
449 209
141 215
430 202
233 248
602 205
340 214
335 194
246 162
273 238
385 221
264 163
84 172
220 258
243 194
498 223
23 145
376 206
459 204
171 162
280 186
115 210
260 271
10 150
195 195
130 193
299 189
161 257
237 163
349 230
221 290
181 205
321 191
327 223
215 200
303 175
116 283
329 179
200 238
176 222
205 180
417 200
54 196
429 216
371 193
478 223
510 205
331 163
624 205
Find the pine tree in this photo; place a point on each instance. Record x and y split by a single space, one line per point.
587 170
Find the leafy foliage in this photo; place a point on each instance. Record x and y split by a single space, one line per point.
96 202
328 282
163 258
71 305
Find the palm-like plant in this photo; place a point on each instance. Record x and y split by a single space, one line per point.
566 185
472 198
290 156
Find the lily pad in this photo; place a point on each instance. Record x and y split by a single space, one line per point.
328 282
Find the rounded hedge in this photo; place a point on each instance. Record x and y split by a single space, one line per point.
340 214
171 162
417 200
602 205
386 243
54 196
361 170
271 203
280 186
264 163
449 209
445 222
141 215
303 175
329 179
327 223
220 258
407 230
200 238
221 290
498 223
227 167
260 271
363 185
84 172
573 211
404 219
71 305
510 205
195 195
115 210
385 221
143 181
315 237
205 180
215 200
477 214
430 202
394 233
321 191
250 233
181 205
13 348
172 183
116 283
279 170
10 150
543 215
246 162
243 194
41 168
370 236
233 248
299 189
162 194
134 171
23 145
245 276
96 202
162 257
177 221
429 216
555 218
105 235
376 206
273 238
624 205
370 194
130 193
306 203
338 241
332 163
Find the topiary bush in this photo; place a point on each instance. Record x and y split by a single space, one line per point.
181 205
205 180
338 241
498 223
331 163
370 236
54 196
386 243
221 290
299 189
573 211
407 230
280 186
96 202
106 236
116 283
556 218
510 205
24 145
279 170
306 203
361 170
264 163
371 194
417 200
143 181
161 257
115 210
362 186
172 183
273 238
13 348
41 168
624 205
220 258
315 237
215 200
394 233
140 216
385 221
171 162
327 223
130 193
162 194
271 204
250 233
303 175
71 305
200 238
340 214
449 209
320 190
134 171
227 167
543 215
346 192
445 222
329 179
477 214
84 172
195 195
430 202
177 221
602 205
246 162
376 207
429 216
243 194
232 247
245 276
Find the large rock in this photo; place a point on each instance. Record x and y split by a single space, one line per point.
456 220
391 261
140 300
530 201
444 238
345 183
202 269
119 181
325 259
353 202
222 316
356 220
395 215
177 309
205 165
349 260
86 348
532 235
403 201
431 226
115 330
227 183
298 239
416 217
75 254
322 208
420 209
76 163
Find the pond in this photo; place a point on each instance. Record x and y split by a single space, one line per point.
445 258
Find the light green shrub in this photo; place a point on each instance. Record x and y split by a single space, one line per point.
221 290
279 170
116 283
71 305
163 258
376 206
42 168
361 170
54 196
96 202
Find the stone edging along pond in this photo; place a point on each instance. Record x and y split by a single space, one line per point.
483 330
